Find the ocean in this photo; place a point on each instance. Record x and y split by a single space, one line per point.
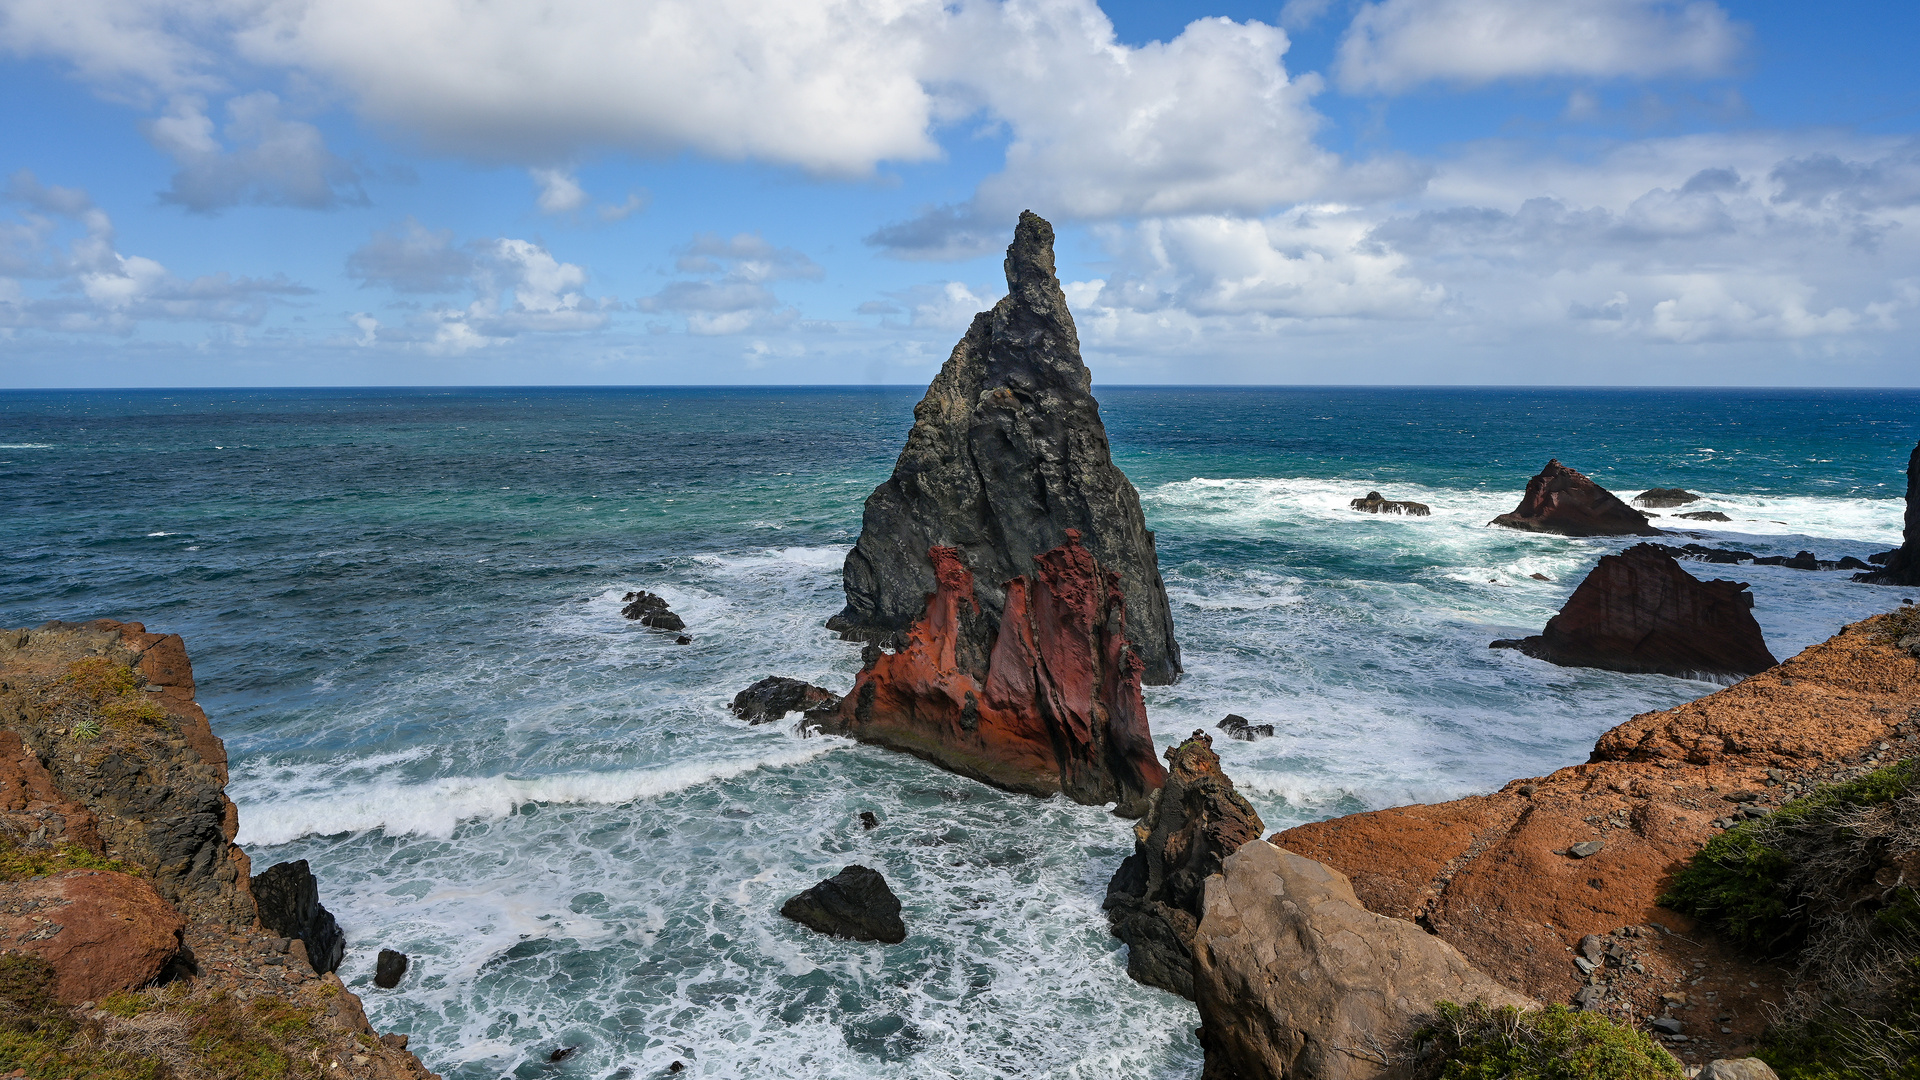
403 608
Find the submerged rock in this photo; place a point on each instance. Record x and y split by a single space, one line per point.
1153 901
855 903
1902 564
289 902
1563 501
1294 978
1239 727
1053 706
1638 611
652 611
1664 498
773 697
1007 453
1704 515
1375 504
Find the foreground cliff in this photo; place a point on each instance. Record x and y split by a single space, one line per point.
1006 454
130 939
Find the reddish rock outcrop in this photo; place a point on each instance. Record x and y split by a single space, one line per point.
1902 566
1502 877
1638 611
1562 500
1054 703
100 931
1153 901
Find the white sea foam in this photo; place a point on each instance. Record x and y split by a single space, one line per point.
26 446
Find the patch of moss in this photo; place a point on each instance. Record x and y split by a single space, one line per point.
43 1038
16 865
132 712
1477 1042
98 678
257 1040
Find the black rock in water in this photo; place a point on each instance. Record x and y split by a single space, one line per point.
652 611
389 969
773 697
855 903
1704 515
1239 727
288 899
1006 454
1666 497
1902 564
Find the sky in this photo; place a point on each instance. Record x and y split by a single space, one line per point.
468 192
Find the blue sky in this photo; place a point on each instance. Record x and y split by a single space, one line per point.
319 192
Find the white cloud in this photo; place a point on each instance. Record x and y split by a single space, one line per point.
518 287
734 299
274 161
945 305
1395 45
560 193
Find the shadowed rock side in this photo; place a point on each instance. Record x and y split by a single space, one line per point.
1153 901
1563 501
289 901
1638 611
1051 703
1502 876
1006 454
1295 979
1903 563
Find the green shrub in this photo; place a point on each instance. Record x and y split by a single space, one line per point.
16 864
1477 1042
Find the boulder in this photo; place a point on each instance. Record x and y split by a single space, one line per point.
1638 611
1848 562
1665 498
1239 727
100 931
773 697
1374 504
1007 453
1704 515
855 903
1054 705
1748 1068
652 611
1294 978
289 902
1902 564
1563 501
1153 901
389 969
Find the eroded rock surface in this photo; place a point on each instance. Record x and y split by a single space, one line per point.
773 697
1374 503
1902 564
289 902
1638 611
1563 501
1153 901
1052 704
1006 454
1295 979
855 903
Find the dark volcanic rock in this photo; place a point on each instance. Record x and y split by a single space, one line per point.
1638 611
1704 515
773 697
855 903
1239 727
389 969
289 902
1375 504
1055 706
1902 564
1562 500
1153 902
1663 498
1006 454
652 611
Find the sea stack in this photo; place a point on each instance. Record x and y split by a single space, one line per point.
1562 500
1007 564
1903 563
1006 454
1638 611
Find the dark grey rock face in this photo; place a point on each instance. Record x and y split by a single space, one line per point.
1902 565
389 969
289 902
855 903
773 697
1006 454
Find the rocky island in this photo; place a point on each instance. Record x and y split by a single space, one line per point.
1564 501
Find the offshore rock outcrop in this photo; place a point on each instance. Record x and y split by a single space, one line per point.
1564 501
1375 503
1006 454
1666 498
773 697
855 903
1153 902
1902 565
1638 611
1053 702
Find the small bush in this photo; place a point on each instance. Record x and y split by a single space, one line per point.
86 730
1477 1042
98 678
132 712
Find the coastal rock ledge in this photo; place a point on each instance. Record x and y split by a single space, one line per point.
1006 454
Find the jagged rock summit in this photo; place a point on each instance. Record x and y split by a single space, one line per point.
1902 566
1638 611
1006 454
1564 501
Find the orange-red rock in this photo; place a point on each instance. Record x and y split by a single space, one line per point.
1054 707
1564 501
100 931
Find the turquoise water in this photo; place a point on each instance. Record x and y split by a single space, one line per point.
403 608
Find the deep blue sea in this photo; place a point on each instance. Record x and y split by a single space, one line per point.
403 611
